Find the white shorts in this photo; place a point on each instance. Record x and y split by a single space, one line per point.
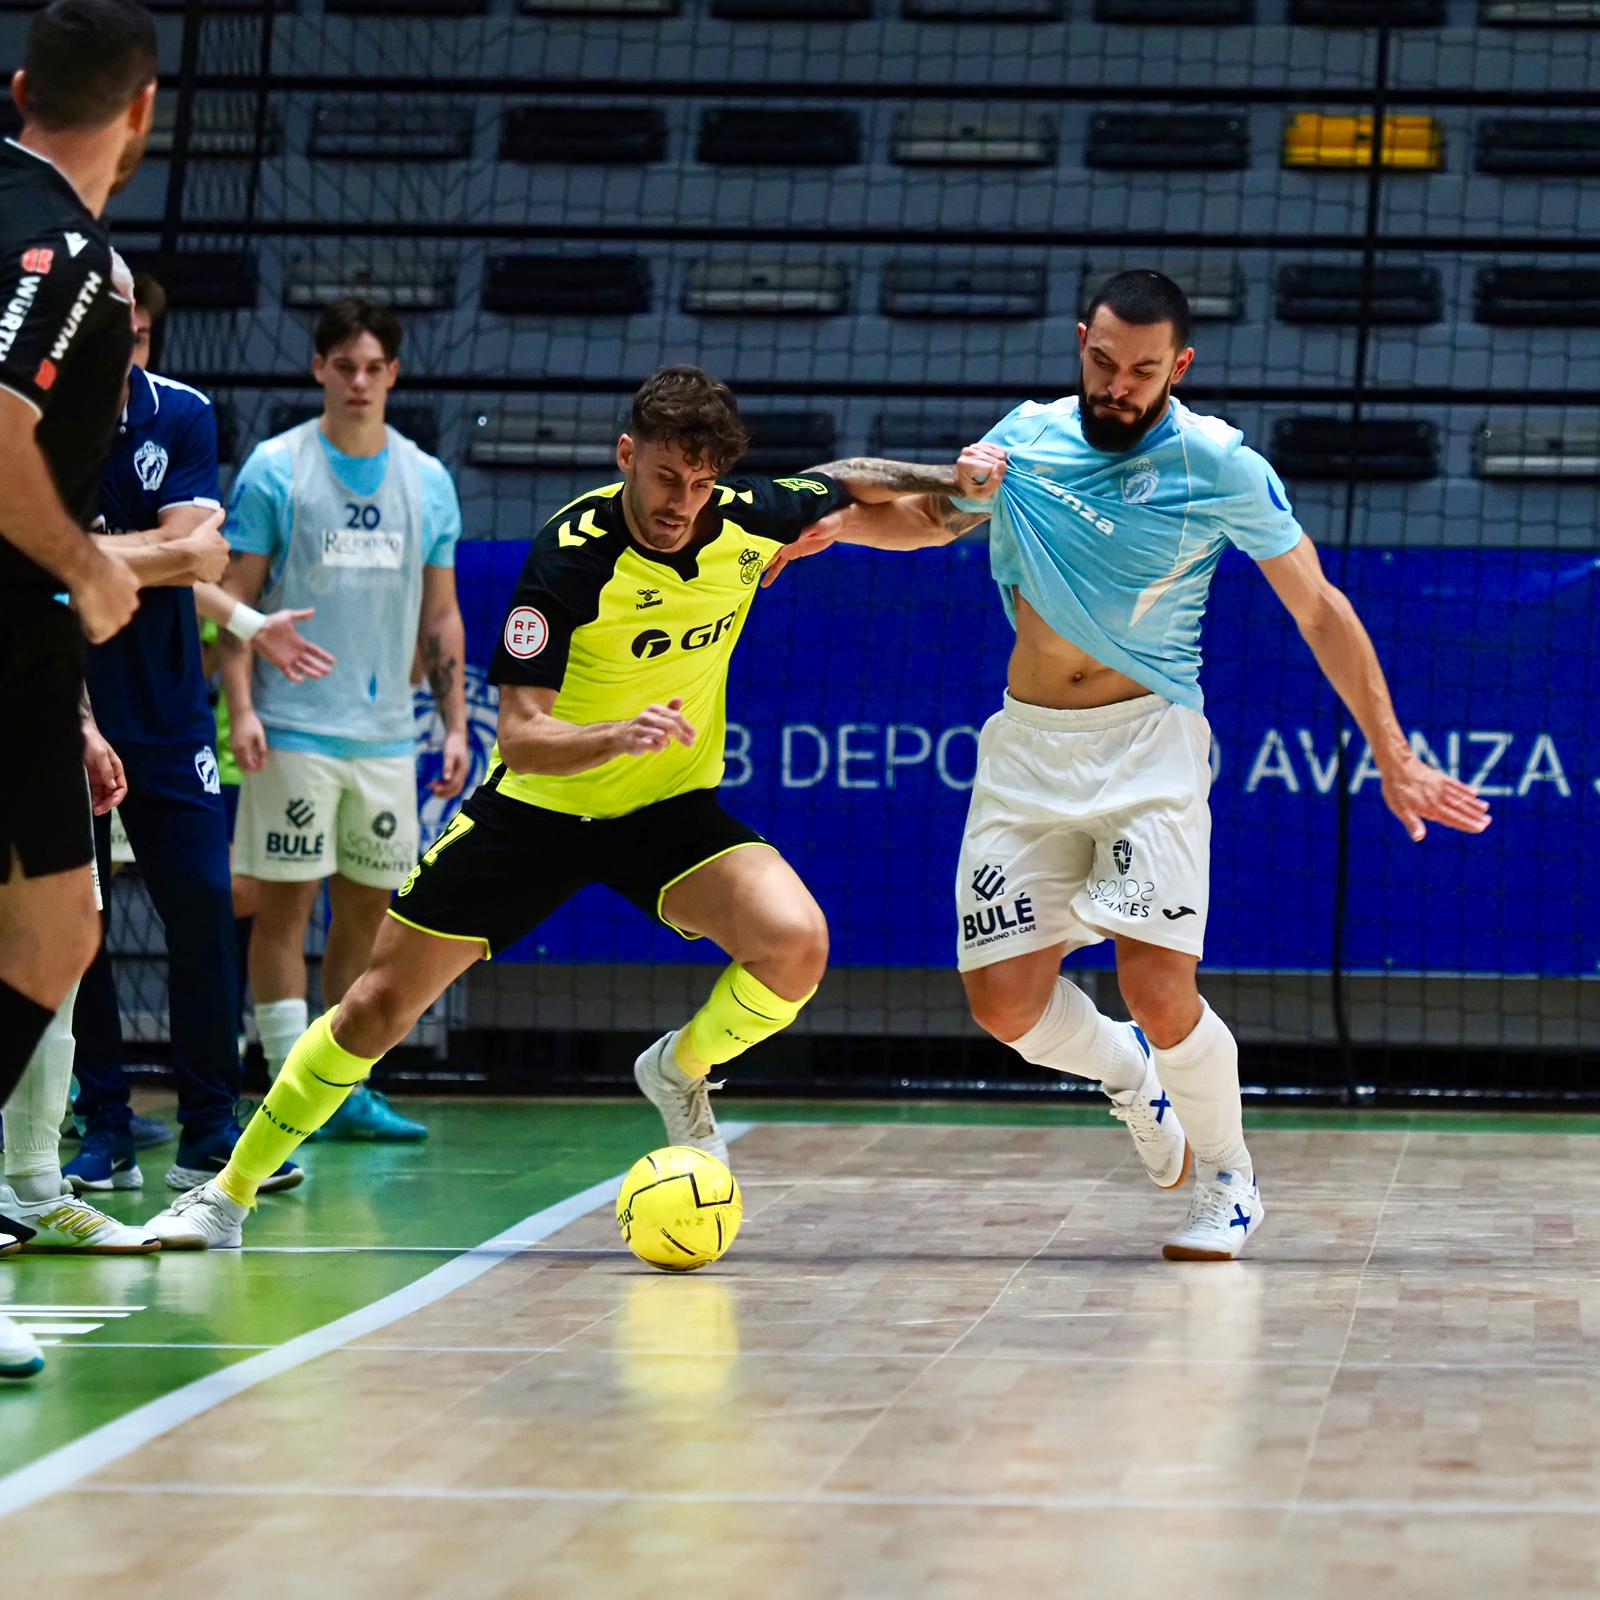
304 817
1084 825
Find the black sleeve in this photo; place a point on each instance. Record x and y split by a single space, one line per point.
782 508
557 593
48 298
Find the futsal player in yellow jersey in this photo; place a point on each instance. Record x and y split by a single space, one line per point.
612 667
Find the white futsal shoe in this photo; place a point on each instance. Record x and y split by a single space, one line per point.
20 1355
203 1219
69 1226
1149 1116
1225 1210
684 1102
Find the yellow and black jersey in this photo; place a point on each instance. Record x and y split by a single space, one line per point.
616 627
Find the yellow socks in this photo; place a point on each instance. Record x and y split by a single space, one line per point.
315 1080
740 1012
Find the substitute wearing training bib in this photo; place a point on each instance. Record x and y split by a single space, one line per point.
615 627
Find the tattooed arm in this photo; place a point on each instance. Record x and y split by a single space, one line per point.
871 481
442 642
908 518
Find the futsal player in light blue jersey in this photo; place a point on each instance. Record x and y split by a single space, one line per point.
347 515
1109 511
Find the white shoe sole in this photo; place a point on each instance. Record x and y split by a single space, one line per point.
133 1178
183 1179
1183 1171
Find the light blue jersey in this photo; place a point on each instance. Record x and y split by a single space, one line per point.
348 535
1116 551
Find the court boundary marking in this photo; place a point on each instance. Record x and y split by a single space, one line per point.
1432 1506
67 1465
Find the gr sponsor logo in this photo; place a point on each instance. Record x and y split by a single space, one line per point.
653 642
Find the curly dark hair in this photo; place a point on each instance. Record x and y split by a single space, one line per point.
694 410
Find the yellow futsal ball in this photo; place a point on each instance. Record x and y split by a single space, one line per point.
679 1208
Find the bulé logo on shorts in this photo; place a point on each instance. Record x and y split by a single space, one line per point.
993 921
299 845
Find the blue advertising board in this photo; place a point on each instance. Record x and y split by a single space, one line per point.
862 679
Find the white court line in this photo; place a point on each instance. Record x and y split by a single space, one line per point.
63 1468
983 1357
845 1497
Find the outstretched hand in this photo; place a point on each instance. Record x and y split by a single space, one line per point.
817 537
1419 794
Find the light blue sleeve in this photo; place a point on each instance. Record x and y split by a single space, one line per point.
1003 433
441 515
258 508
1251 508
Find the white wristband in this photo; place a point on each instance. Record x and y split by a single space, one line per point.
245 623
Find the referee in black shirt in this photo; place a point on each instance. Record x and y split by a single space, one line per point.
86 93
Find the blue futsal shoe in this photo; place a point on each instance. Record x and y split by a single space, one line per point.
148 1132
366 1114
106 1161
199 1160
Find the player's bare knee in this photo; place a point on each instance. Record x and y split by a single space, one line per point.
1165 1009
373 1016
1003 1009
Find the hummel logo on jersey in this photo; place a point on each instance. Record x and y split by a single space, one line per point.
647 598
300 813
37 260
75 242
1182 911
988 882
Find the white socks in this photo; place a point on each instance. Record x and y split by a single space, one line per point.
33 1113
1071 1036
1201 1074
278 1024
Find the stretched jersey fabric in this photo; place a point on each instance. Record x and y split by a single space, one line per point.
348 535
146 683
1116 551
65 336
616 627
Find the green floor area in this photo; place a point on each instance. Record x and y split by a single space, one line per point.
374 1218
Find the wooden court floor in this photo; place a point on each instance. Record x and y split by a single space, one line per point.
944 1359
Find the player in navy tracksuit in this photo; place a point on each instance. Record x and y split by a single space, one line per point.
150 701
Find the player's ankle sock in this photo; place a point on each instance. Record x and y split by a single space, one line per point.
1072 1036
1201 1074
314 1083
279 1023
741 1011
33 1113
22 1025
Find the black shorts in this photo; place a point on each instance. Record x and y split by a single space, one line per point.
503 866
44 801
